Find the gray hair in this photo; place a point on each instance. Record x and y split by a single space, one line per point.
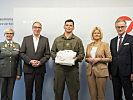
9 29
36 22
120 20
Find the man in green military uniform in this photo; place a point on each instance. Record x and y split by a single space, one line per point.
10 65
64 73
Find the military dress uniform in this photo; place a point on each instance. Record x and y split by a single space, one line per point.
10 66
68 74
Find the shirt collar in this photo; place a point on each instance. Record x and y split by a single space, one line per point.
35 36
8 41
122 35
71 37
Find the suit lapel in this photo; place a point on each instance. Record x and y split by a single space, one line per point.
98 48
7 46
39 44
32 43
89 50
123 42
13 45
115 44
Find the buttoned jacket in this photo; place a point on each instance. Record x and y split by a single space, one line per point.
10 62
100 68
28 53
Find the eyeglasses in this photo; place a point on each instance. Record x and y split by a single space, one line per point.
10 33
118 27
37 27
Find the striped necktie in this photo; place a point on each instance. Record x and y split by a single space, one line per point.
120 43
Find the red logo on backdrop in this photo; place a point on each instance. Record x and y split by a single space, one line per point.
130 27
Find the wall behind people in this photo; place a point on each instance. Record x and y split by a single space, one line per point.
53 21
86 14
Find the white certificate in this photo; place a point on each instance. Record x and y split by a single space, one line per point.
65 57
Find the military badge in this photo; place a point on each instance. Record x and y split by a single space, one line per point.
5 45
13 45
67 44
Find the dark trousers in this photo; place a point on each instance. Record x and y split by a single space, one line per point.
29 83
119 82
7 88
71 77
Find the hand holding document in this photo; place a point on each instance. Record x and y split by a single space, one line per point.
65 57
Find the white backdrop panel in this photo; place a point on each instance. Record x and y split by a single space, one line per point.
53 19
85 20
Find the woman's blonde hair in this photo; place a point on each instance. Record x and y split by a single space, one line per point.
94 29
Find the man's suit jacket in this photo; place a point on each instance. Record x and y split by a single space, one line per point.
28 53
10 62
122 60
100 68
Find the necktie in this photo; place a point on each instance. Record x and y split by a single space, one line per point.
120 43
9 44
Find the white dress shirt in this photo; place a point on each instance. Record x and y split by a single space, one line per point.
119 40
93 52
36 41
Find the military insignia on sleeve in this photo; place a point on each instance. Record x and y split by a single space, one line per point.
5 45
13 45
67 44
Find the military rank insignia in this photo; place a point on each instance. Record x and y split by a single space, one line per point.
13 45
67 44
5 45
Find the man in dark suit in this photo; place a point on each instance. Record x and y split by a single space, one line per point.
121 67
35 52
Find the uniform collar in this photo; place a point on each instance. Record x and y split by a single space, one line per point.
71 37
8 41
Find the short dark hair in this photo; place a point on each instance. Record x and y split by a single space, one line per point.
69 20
35 23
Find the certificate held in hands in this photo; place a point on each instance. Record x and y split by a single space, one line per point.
65 57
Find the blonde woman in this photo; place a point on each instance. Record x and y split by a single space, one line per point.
97 56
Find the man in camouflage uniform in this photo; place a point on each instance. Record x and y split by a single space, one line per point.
64 73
